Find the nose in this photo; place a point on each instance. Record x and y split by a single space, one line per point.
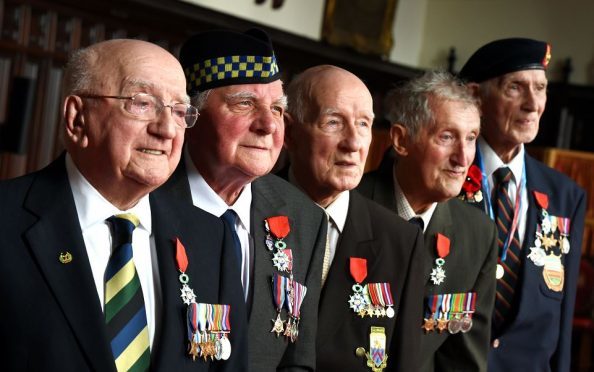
351 139
164 125
266 122
463 154
530 100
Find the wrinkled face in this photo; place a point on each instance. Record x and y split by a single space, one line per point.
329 150
512 107
117 148
239 133
444 151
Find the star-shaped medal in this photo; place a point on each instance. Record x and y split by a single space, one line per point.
428 325
442 324
194 350
187 294
357 302
278 326
281 261
437 275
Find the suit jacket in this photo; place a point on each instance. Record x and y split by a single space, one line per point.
394 252
273 196
51 315
525 344
470 267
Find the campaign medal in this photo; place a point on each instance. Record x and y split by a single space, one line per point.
442 321
380 295
377 359
279 291
358 268
443 250
277 228
455 322
469 301
296 295
433 304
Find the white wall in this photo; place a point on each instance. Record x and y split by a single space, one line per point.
301 17
467 24
408 29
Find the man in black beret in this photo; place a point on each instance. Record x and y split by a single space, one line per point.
234 80
539 212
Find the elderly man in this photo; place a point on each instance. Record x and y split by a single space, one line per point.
539 212
279 234
435 123
90 268
372 296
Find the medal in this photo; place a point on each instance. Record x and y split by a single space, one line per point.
433 304
377 359
294 303
442 321
553 273
358 268
381 297
499 271
469 309
277 228
443 250
279 292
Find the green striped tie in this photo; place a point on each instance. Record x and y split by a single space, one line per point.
125 316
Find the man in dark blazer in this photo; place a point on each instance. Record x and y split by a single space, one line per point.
122 142
327 137
508 76
279 232
435 123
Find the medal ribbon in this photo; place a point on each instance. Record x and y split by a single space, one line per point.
457 301
542 199
443 245
387 294
192 320
299 291
225 320
373 293
217 325
470 302
180 256
563 223
358 268
279 284
209 317
201 316
434 303
279 226
445 305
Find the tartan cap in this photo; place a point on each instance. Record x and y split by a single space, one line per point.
219 58
503 56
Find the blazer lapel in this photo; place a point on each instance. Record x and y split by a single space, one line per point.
72 284
355 241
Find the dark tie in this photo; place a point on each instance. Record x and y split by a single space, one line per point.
229 217
504 212
125 315
418 221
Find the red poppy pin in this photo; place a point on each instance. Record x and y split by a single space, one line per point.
471 188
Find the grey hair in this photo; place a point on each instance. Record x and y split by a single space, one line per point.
79 73
296 91
199 99
410 104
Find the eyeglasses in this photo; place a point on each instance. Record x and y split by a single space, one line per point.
148 107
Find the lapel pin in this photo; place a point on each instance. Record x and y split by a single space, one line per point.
65 257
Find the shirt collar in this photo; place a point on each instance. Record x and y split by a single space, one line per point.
204 197
92 208
405 210
492 162
339 209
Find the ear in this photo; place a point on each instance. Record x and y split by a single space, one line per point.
289 126
474 89
400 140
75 122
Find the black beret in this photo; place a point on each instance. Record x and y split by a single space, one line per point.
503 56
219 58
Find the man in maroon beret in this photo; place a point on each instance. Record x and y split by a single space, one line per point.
539 212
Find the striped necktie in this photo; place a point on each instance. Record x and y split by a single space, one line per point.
506 286
125 316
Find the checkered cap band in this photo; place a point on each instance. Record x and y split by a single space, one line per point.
229 68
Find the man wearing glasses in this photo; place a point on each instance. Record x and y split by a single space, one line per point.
92 254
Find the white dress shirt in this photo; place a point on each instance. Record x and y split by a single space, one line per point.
491 163
93 210
337 213
204 197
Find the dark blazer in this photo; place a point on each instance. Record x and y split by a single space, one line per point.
394 252
470 267
539 338
273 196
51 317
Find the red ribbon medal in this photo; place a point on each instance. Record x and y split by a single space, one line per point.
279 226
542 199
358 267
443 245
180 256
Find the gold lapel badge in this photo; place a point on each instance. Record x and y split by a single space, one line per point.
65 257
